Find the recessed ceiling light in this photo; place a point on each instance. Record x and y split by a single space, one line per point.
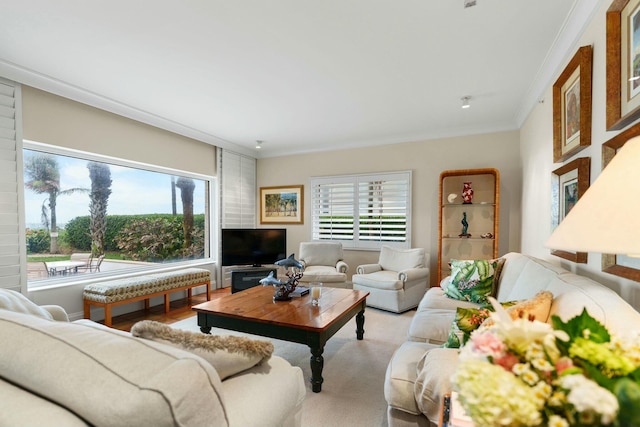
465 101
258 144
469 3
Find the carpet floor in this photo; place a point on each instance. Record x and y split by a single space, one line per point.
352 393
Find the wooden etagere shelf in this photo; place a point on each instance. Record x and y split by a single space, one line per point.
482 217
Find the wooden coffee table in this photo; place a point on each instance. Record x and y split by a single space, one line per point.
254 311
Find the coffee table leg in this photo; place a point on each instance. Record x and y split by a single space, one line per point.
317 363
360 325
205 329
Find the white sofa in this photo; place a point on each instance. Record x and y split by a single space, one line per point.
55 372
419 372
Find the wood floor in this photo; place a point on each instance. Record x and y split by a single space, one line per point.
180 310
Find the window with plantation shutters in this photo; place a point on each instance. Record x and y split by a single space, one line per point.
238 190
362 211
12 274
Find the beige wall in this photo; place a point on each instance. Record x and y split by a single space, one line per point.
427 159
51 119
537 145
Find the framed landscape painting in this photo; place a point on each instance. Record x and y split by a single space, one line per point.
572 106
569 183
281 205
623 64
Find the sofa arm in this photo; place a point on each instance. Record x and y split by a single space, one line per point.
413 274
368 268
57 312
342 267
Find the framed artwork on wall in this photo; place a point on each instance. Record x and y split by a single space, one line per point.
620 265
572 106
623 63
281 205
569 183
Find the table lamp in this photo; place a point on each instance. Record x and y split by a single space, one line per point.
606 218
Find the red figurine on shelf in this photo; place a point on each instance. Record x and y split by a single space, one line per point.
467 193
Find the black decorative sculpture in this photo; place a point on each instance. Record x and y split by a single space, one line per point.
465 226
284 288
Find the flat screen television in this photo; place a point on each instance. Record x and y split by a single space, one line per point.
253 246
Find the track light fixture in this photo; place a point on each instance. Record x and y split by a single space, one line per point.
465 101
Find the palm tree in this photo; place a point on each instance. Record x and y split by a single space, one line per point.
43 177
186 186
100 175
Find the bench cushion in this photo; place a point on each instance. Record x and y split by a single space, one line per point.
111 291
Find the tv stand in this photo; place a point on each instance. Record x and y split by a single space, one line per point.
247 277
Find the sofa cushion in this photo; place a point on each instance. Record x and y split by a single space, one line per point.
108 377
20 407
383 279
322 273
433 380
536 308
16 302
400 259
321 253
472 280
272 395
400 377
228 354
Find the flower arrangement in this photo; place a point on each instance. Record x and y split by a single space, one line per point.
529 373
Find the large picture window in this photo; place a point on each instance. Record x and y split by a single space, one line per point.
88 215
363 211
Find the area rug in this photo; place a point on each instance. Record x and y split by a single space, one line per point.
352 393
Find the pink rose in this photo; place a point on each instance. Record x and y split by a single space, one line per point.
563 364
507 361
488 344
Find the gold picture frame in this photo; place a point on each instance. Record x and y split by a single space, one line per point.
623 79
611 263
572 106
282 205
569 183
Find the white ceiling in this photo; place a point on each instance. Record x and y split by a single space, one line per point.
300 75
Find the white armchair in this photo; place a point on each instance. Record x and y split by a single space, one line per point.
15 301
397 282
323 262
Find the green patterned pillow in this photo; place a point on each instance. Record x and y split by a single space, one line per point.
473 280
468 320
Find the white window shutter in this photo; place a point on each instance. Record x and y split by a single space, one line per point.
12 246
362 211
238 190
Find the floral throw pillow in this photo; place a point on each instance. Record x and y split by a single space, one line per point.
473 280
468 320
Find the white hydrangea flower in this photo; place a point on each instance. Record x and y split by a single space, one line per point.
588 397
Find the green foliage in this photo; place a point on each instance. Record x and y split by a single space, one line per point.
38 241
79 231
576 327
79 234
158 239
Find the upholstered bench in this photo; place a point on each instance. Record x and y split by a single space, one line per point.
131 289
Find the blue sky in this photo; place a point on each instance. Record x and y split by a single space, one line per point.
133 191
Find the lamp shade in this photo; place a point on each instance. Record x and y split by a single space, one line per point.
606 218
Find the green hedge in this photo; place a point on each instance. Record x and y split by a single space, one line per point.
79 237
